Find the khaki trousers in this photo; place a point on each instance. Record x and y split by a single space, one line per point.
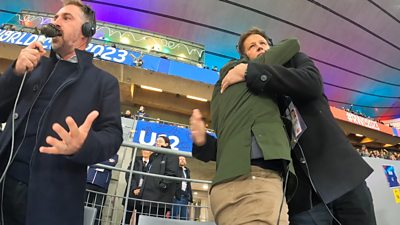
252 199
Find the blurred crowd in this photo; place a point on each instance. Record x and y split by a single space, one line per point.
381 153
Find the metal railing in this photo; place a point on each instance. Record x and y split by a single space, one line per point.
108 204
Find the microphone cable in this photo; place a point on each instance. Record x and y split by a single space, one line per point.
11 158
284 194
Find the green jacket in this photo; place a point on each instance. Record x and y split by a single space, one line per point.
237 113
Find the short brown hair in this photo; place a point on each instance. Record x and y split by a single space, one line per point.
87 11
245 35
89 27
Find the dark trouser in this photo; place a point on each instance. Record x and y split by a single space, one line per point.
14 201
355 207
95 200
130 210
318 215
178 211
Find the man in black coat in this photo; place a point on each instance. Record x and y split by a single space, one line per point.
140 163
183 194
156 193
67 118
330 171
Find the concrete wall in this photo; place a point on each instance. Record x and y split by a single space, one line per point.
387 211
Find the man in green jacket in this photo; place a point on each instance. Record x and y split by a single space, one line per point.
253 156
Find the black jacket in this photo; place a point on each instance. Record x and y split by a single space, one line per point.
334 166
57 182
155 189
188 192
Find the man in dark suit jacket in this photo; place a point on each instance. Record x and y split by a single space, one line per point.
141 163
68 117
329 170
183 194
152 189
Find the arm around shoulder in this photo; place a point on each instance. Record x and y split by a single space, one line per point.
300 79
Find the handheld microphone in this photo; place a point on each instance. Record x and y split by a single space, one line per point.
49 30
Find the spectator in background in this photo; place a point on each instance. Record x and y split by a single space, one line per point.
141 113
141 163
157 189
384 154
127 114
376 154
98 180
364 151
183 194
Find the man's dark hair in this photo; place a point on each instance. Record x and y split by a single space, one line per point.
245 35
88 13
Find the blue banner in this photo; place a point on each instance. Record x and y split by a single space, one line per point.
147 133
108 53
391 176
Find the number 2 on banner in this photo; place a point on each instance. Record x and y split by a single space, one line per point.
121 56
108 51
174 142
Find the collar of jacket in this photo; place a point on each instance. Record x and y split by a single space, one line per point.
84 58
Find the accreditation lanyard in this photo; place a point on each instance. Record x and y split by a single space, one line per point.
141 178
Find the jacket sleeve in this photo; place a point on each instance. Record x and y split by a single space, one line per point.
171 168
112 161
105 136
207 152
302 81
135 177
9 85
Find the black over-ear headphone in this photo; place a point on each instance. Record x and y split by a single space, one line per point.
89 28
270 42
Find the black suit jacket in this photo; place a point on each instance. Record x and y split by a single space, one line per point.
58 182
323 151
188 192
153 188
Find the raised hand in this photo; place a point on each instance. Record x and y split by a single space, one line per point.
72 141
28 58
235 75
198 128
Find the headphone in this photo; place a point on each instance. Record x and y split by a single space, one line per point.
89 28
269 41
